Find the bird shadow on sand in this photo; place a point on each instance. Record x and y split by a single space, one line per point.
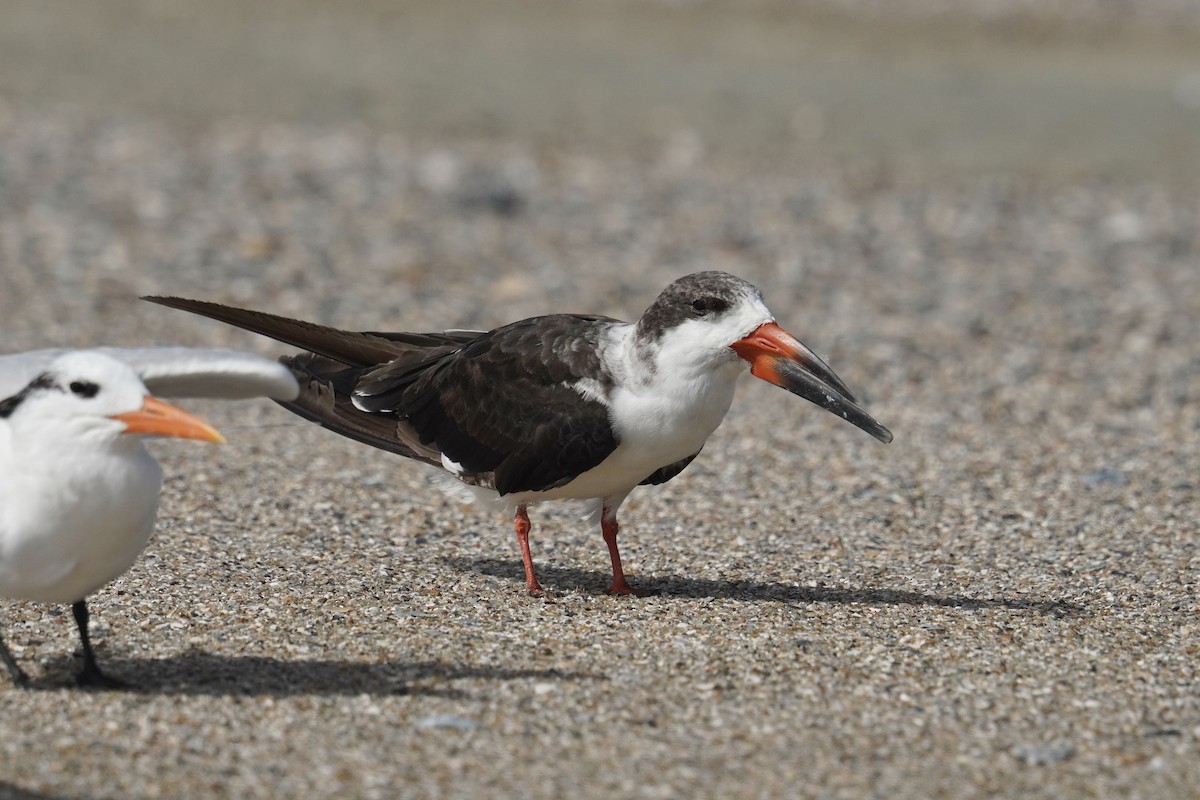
9 791
196 672
567 579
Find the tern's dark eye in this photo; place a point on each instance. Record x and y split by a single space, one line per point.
84 388
708 305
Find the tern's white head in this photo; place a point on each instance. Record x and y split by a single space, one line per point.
89 397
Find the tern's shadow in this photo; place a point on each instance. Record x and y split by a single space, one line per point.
10 791
196 672
564 578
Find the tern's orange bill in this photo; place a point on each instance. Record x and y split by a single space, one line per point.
156 418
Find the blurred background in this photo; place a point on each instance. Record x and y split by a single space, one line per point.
1060 88
516 150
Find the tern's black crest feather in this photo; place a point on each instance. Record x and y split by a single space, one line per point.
10 404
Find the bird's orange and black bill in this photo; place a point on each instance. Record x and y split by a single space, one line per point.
156 418
779 358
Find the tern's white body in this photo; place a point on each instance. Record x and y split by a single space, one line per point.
74 513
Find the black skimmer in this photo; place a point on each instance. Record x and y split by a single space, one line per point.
565 406
78 490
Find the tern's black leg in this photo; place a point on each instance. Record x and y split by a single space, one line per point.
18 675
90 676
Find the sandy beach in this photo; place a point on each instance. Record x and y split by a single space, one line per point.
1000 603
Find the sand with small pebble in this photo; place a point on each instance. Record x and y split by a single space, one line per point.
1002 602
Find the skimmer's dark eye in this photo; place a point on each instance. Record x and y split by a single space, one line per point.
708 305
84 388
